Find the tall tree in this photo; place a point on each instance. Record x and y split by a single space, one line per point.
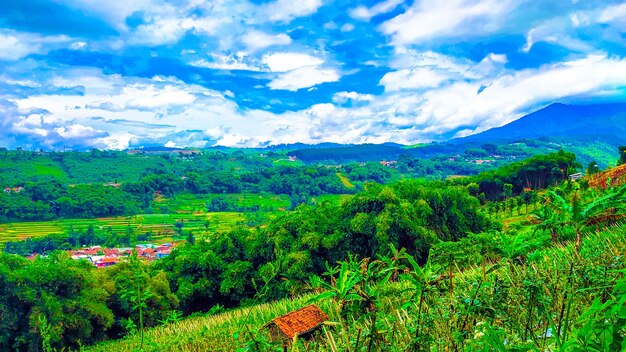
622 155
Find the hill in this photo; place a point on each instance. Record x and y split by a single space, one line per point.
606 122
445 317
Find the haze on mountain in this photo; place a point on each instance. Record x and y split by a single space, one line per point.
124 74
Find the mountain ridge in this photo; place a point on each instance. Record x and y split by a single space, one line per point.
561 120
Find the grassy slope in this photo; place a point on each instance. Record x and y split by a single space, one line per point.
226 332
222 332
345 181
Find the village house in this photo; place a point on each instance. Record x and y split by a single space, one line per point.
104 257
301 323
576 176
14 189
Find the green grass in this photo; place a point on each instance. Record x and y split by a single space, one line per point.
447 318
189 203
345 181
337 199
222 332
17 172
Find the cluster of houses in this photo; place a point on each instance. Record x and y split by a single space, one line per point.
390 164
13 190
104 257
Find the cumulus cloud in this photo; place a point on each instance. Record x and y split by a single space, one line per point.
253 73
17 45
238 62
298 70
255 40
613 13
437 112
365 14
287 61
304 77
287 10
432 19
427 70
342 97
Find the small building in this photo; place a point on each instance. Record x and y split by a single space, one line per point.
106 262
576 176
300 323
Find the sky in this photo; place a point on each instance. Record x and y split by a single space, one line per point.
84 74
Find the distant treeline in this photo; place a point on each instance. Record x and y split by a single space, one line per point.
48 198
537 172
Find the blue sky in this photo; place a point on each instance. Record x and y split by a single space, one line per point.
122 74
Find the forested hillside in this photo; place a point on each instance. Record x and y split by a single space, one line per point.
413 262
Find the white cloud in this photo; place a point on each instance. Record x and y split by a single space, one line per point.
410 116
17 45
414 78
117 141
12 49
613 13
237 61
166 30
348 27
114 12
304 77
342 97
365 14
78 45
76 131
432 19
287 61
508 97
427 70
555 31
255 40
287 10
151 97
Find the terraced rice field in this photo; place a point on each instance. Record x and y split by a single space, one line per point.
189 203
161 225
189 209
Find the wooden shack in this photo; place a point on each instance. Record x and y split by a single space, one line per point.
300 323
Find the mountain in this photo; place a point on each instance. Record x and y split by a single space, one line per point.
606 122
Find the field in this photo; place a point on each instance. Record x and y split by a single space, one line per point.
189 203
345 181
189 209
161 225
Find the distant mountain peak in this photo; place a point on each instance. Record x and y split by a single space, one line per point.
604 121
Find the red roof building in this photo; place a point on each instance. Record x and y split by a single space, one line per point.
299 323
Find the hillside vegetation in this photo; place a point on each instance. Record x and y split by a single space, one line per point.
556 298
517 258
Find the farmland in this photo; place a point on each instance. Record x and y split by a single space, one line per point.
188 209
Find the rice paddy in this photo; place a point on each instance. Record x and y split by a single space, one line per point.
188 209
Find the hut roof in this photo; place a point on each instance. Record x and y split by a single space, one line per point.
301 321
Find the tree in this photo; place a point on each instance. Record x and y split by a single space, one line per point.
191 238
55 301
527 197
576 211
507 190
592 168
622 155
179 227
